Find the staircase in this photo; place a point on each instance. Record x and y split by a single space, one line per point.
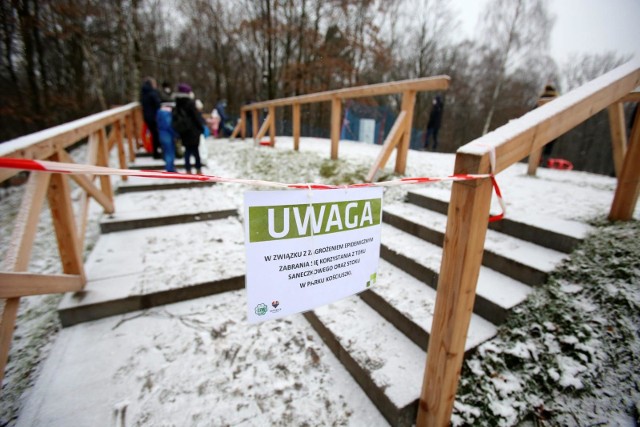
381 336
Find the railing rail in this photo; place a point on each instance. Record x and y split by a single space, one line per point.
104 131
398 138
469 210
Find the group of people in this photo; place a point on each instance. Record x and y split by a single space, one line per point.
174 115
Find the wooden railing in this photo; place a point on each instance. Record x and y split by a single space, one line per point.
469 210
399 137
104 131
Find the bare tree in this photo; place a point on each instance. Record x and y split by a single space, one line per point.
514 30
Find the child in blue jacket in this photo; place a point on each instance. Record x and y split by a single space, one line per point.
167 135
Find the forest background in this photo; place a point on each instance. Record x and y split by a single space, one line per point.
66 59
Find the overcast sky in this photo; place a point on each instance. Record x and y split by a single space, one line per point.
582 26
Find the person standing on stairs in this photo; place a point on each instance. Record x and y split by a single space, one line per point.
150 101
167 135
189 124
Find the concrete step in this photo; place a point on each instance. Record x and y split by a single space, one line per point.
141 209
139 269
553 233
382 360
496 294
513 257
159 184
382 343
408 304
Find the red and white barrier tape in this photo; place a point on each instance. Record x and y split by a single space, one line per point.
78 169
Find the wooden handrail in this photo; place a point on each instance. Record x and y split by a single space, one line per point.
469 210
50 144
421 84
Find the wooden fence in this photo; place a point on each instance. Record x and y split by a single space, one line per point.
104 131
399 137
469 210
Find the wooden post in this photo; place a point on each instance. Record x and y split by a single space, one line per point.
122 158
254 123
128 121
272 126
408 103
236 130
19 252
243 124
462 255
296 126
336 122
618 135
534 162
626 196
263 130
103 160
59 196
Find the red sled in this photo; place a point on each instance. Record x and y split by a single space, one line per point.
266 143
561 164
146 139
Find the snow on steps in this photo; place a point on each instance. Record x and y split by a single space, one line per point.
516 258
143 268
553 233
170 206
496 293
382 343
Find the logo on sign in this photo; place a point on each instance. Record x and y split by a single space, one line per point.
261 309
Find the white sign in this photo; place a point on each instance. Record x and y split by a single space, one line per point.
367 131
307 248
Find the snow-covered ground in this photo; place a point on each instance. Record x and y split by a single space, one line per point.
291 386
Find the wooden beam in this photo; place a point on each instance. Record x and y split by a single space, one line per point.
243 121
15 285
263 130
336 123
103 160
534 162
296 126
462 255
236 130
122 158
421 84
128 123
19 252
408 104
272 126
390 142
618 129
254 124
626 195
59 196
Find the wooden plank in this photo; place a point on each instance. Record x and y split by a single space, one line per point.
59 196
19 252
128 124
626 195
296 126
263 130
534 162
236 130
618 130
254 118
14 285
103 160
88 186
336 123
83 215
122 158
518 138
421 84
243 121
462 255
272 126
631 97
408 104
389 144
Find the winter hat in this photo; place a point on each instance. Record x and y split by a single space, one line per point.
184 88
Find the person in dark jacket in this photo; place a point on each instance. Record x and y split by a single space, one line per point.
435 120
150 101
190 136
